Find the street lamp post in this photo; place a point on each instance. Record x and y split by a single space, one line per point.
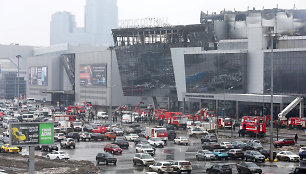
110 85
18 56
271 90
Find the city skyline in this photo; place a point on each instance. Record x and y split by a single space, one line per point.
28 23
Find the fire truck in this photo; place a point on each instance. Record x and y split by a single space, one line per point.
204 114
159 132
159 114
296 122
253 126
224 123
179 121
76 110
169 115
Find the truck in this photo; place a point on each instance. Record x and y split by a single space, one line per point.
204 114
159 132
296 122
253 126
127 117
224 123
178 121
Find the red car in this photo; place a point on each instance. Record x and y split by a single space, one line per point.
113 148
100 129
284 142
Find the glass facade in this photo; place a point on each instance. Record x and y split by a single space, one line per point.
216 73
8 87
289 70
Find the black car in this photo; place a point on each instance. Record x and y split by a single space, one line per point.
134 125
266 153
88 128
235 153
171 135
219 168
253 146
254 156
139 140
248 167
74 135
211 146
106 158
122 144
97 137
299 170
170 127
49 148
209 138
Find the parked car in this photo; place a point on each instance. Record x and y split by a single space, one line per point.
287 156
266 153
74 135
248 167
219 168
253 146
196 132
161 167
238 144
226 145
59 136
205 155
284 142
77 126
143 159
145 148
96 137
131 137
221 154
181 166
113 149
211 146
118 132
49 148
235 154
171 135
106 158
85 136
302 153
67 143
9 149
110 135
141 140
122 143
156 142
181 140
209 138
253 155
299 170
60 155
88 128
101 114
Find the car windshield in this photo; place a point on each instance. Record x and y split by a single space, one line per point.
251 165
146 156
77 123
197 129
115 146
155 139
256 153
108 155
257 144
146 146
61 152
208 153
167 164
290 153
184 138
303 148
226 166
237 142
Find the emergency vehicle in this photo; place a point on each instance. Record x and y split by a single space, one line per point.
203 114
252 126
224 123
179 121
159 132
296 122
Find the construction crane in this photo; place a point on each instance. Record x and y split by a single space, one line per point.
282 115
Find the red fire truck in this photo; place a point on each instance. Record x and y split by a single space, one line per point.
224 123
169 115
252 126
179 121
159 132
296 122
75 109
204 114
159 114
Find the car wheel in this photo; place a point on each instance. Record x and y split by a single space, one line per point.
48 157
179 171
189 172
115 163
106 162
159 171
57 158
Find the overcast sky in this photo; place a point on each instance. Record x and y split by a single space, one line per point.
27 22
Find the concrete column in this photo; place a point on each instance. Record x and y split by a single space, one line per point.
168 103
237 110
189 107
281 106
200 104
302 109
184 103
217 108
31 160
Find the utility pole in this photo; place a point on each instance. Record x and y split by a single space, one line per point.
272 84
18 56
110 85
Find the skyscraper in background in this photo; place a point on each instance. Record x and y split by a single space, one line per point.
100 17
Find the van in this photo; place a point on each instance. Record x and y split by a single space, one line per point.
28 117
30 100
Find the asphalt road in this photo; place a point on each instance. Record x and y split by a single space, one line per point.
88 151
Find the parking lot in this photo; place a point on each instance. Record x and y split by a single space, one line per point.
89 150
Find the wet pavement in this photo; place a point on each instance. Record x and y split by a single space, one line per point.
89 150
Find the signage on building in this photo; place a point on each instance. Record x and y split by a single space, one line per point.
31 134
93 75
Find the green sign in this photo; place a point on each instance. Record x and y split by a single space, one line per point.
31 134
46 133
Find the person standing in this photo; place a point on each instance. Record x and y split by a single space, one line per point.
296 138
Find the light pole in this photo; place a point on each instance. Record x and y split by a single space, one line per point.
18 56
110 85
271 90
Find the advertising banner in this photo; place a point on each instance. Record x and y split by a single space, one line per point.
31 134
93 75
38 76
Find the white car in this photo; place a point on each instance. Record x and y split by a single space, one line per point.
287 156
227 145
302 149
145 148
161 167
58 155
59 136
102 115
156 142
131 137
181 140
196 131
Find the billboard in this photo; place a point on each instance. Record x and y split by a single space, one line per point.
38 76
93 75
31 134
